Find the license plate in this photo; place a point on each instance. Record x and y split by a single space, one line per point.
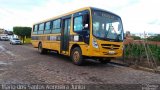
111 52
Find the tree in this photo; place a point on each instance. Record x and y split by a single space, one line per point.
22 32
154 38
136 37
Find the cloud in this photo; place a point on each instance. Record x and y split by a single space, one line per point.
54 7
21 4
155 22
137 15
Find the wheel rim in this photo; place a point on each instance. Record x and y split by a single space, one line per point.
76 56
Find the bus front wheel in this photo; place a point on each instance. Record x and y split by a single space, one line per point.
76 56
41 49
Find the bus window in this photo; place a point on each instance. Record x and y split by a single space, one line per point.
86 21
47 28
35 28
96 26
109 26
41 28
78 25
56 26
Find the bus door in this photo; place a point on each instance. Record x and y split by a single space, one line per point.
65 33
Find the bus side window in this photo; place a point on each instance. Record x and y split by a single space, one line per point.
81 21
35 29
41 28
56 26
78 24
86 21
47 28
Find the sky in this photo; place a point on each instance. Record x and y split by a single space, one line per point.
137 15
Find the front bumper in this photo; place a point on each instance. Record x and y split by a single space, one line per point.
17 43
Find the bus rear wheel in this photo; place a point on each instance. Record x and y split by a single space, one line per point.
41 49
76 56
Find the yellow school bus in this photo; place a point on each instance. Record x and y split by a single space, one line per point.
84 33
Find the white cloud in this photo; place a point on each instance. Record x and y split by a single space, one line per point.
137 15
137 18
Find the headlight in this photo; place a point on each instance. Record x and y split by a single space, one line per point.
14 41
94 43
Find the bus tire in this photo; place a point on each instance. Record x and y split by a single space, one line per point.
76 56
41 49
104 60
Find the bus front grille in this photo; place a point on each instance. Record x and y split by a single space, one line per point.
110 46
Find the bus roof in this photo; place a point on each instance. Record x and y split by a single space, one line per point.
94 8
81 9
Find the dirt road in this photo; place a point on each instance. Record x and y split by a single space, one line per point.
22 64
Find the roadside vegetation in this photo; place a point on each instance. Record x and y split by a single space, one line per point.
154 38
143 52
137 51
24 33
136 37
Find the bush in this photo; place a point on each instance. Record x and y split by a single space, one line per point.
154 38
136 51
136 37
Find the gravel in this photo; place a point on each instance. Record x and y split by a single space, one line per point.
23 64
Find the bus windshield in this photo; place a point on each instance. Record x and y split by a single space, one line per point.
107 26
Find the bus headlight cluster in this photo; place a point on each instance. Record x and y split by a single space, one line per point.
95 44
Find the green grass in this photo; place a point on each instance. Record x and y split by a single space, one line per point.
27 40
138 50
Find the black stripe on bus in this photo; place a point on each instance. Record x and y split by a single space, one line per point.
49 38
58 38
